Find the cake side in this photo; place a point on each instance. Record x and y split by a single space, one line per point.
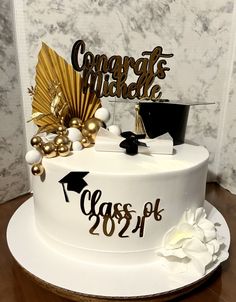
112 197
125 207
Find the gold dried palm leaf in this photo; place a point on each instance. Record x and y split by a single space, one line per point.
58 94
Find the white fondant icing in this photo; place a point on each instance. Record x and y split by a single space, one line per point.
156 187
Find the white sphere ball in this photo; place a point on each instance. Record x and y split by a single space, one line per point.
74 134
114 129
77 146
33 157
102 114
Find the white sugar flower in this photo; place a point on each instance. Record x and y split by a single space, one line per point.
193 240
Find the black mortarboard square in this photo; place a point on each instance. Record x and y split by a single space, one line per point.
165 116
75 182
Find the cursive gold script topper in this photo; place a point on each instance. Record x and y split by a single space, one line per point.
97 70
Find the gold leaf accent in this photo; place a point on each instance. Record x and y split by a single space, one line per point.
36 115
48 128
58 92
55 104
31 91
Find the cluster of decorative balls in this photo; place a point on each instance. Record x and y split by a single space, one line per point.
75 138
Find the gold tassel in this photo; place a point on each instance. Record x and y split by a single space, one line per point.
139 125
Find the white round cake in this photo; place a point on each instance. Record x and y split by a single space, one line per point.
112 208
126 209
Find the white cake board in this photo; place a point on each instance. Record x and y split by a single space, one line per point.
96 280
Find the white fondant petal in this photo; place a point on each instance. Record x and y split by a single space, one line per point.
198 253
198 233
224 255
214 258
167 235
213 246
177 235
206 224
194 239
168 241
200 213
210 235
209 229
210 249
220 239
196 267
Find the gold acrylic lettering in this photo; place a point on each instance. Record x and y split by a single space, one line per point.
109 215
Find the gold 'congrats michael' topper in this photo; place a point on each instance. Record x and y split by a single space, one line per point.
98 68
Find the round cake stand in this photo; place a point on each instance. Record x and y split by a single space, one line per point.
72 278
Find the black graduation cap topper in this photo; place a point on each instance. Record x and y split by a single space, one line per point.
75 182
166 116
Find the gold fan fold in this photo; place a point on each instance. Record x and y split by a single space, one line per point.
56 77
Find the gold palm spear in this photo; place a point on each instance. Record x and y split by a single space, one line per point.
58 95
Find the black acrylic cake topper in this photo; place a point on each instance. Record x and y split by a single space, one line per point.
75 182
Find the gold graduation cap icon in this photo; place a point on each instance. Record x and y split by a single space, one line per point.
74 181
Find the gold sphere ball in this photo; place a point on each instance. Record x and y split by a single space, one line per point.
92 125
88 135
76 123
36 141
85 142
62 130
37 169
63 150
49 150
61 139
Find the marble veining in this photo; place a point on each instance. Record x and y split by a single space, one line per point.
227 169
197 32
13 171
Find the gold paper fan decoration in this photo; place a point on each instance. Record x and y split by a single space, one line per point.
58 95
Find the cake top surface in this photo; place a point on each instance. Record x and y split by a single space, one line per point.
185 156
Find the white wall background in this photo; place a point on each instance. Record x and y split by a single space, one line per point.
201 34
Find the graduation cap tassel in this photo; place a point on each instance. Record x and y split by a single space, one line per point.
139 125
65 193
